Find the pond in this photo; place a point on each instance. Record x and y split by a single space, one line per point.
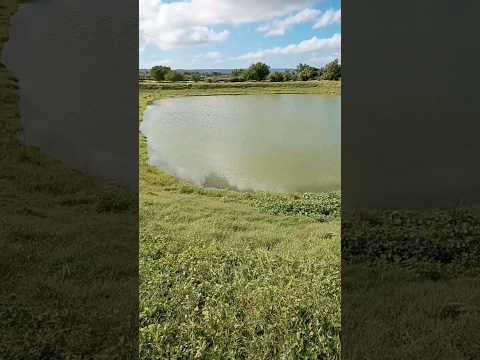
278 143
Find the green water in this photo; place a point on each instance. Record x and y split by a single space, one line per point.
248 143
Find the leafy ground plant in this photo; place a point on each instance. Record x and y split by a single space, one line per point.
410 284
446 238
318 206
229 275
69 287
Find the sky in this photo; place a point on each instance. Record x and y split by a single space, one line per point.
228 34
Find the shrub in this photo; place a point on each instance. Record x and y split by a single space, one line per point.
331 71
306 72
174 76
238 73
115 201
196 77
318 206
287 76
277 77
258 71
159 72
237 79
425 239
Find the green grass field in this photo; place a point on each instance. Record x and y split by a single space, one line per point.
226 275
408 278
321 87
411 285
68 280
390 312
223 275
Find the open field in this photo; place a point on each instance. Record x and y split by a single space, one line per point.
399 304
389 312
223 274
410 284
234 275
322 87
66 250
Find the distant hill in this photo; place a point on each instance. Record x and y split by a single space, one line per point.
209 71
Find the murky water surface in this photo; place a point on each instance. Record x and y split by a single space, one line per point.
249 143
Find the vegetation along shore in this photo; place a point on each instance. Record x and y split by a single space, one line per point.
225 274
64 280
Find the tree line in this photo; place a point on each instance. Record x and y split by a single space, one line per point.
256 72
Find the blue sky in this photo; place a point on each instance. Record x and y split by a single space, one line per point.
200 34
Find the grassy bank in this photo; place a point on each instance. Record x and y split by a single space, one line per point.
410 284
255 277
66 250
232 275
323 87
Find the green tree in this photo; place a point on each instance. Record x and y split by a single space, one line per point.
306 72
332 71
258 71
277 77
159 72
237 72
287 76
196 77
238 75
174 76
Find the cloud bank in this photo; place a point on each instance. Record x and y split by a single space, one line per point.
321 19
329 17
279 27
314 44
171 25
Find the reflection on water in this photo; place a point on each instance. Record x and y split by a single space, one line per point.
248 143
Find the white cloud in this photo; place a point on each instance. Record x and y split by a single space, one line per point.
320 61
279 27
314 44
190 23
213 55
151 63
329 17
192 36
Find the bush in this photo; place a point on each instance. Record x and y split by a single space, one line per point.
115 201
306 72
447 238
331 71
237 79
159 72
318 206
174 76
238 73
258 71
196 77
277 77
287 76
